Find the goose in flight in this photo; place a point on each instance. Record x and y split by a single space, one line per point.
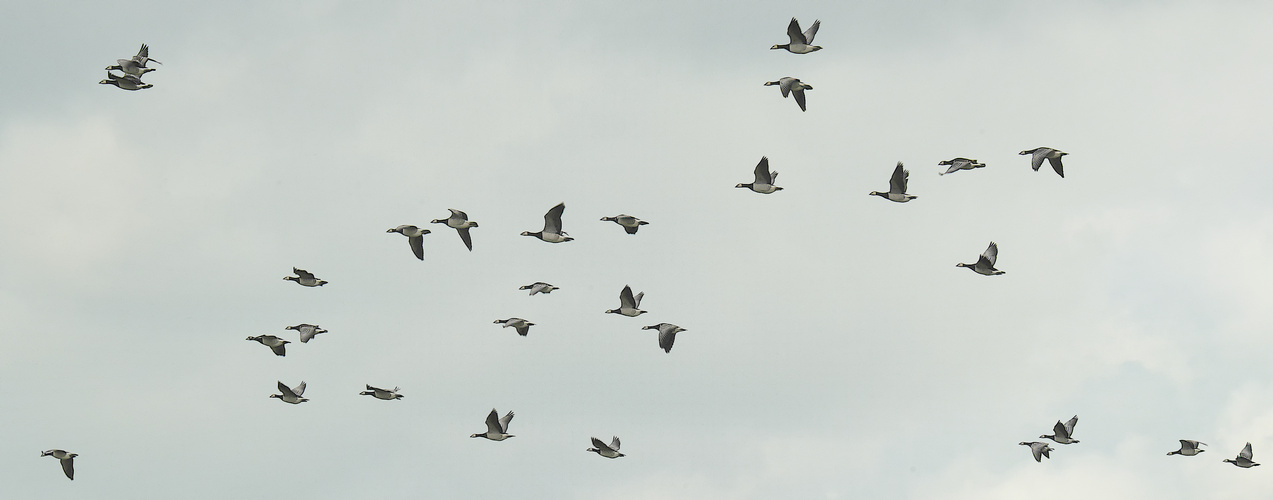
496 428
538 287
126 82
793 86
897 186
461 223
67 459
958 164
379 393
801 43
415 237
1188 448
304 278
629 223
764 183
667 334
1053 156
143 56
552 232
130 67
606 450
278 345
628 305
1061 433
522 326
986 263
291 395
1244 458
1039 449
307 331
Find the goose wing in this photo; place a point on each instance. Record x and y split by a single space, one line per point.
1036 160
1069 425
492 422
287 391
793 32
280 349
1246 452
626 300
299 390
614 443
503 422
784 84
1056 165
809 33
798 92
417 246
68 467
456 214
552 219
897 183
666 337
464 236
303 273
1059 431
1037 448
990 256
599 444
762 171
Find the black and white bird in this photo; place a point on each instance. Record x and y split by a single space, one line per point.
552 232
1053 156
1038 448
538 287
1188 448
379 393
801 43
629 223
304 278
415 237
291 395
1062 433
278 345
667 334
1244 458
461 223
606 450
764 183
130 67
792 86
496 428
143 56
628 305
307 331
522 326
67 459
985 264
897 186
126 82
958 164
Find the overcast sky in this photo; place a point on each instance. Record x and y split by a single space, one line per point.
833 348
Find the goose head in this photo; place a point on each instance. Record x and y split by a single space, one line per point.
741 185
438 221
877 193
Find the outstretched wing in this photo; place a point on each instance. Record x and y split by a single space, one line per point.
1037 449
417 246
1246 452
1036 161
614 443
464 235
492 422
990 256
793 31
599 444
503 422
299 390
811 32
68 467
798 92
280 349
552 219
303 273
287 391
1069 426
1056 165
625 298
1059 431
897 183
762 171
666 337
457 213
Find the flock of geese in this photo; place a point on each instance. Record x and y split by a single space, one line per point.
801 42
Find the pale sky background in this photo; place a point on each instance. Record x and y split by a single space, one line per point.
833 348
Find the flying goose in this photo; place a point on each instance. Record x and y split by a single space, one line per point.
764 183
552 232
1244 458
667 334
794 86
986 263
304 278
1061 432
460 221
897 186
126 82
415 236
958 164
278 345
800 42
522 326
628 305
606 450
1038 448
496 428
307 331
1053 156
538 287
67 459
379 393
291 395
629 223
1188 448
130 67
